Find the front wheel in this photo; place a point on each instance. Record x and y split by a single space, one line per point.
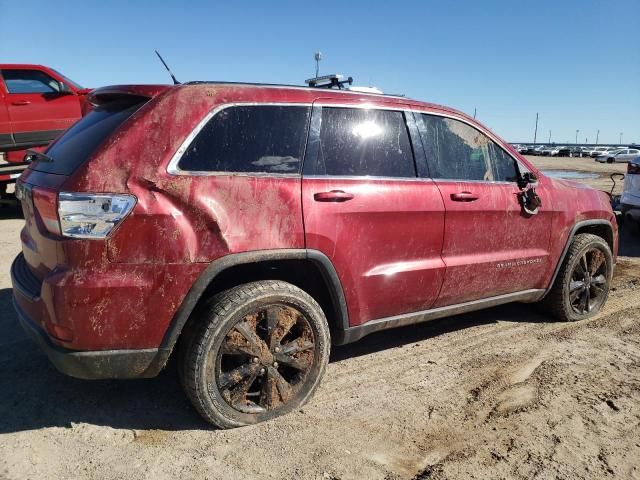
257 351
582 285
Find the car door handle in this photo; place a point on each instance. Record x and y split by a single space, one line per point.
464 197
332 196
21 102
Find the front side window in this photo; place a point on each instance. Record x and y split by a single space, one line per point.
363 142
29 81
250 139
457 151
504 166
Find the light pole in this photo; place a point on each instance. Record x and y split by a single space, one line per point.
549 136
577 132
620 137
535 133
597 136
317 57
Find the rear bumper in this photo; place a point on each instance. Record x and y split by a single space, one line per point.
99 364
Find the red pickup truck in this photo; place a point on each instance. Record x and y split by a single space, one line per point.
37 103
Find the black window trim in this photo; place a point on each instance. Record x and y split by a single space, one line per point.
313 140
174 169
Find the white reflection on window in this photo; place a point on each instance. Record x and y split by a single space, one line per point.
367 129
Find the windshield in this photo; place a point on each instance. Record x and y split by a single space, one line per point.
68 80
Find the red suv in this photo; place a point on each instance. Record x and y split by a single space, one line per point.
249 227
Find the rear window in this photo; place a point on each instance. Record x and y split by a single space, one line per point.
77 144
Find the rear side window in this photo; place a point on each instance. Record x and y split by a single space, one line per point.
457 151
363 142
250 139
77 144
29 81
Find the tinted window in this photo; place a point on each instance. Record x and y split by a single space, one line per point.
457 151
29 81
356 142
85 136
256 139
504 166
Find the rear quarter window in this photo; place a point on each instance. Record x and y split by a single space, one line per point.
250 139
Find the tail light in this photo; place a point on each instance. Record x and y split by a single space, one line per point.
84 215
46 201
81 215
633 168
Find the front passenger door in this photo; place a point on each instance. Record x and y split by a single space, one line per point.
490 247
38 110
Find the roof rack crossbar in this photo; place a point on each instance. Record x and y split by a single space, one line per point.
329 81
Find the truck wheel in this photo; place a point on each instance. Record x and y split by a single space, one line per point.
582 285
257 351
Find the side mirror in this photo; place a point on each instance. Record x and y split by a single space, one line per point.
526 179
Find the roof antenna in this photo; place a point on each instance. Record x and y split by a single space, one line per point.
175 82
317 57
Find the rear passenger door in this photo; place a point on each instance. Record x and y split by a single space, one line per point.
365 208
490 247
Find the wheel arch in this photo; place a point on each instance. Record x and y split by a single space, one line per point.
600 227
310 270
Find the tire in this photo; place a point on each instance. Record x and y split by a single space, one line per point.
560 301
609 160
234 359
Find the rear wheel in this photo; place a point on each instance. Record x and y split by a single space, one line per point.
609 160
257 351
582 285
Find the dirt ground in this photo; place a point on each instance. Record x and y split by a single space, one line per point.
587 165
503 393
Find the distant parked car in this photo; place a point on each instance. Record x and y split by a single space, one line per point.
564 152
538 150
619 156
549 151
579 151
600 151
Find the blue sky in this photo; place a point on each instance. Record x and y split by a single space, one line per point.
577 63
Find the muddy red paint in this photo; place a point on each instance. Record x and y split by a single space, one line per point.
397 246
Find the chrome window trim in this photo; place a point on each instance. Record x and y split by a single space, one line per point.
367 178
173 169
